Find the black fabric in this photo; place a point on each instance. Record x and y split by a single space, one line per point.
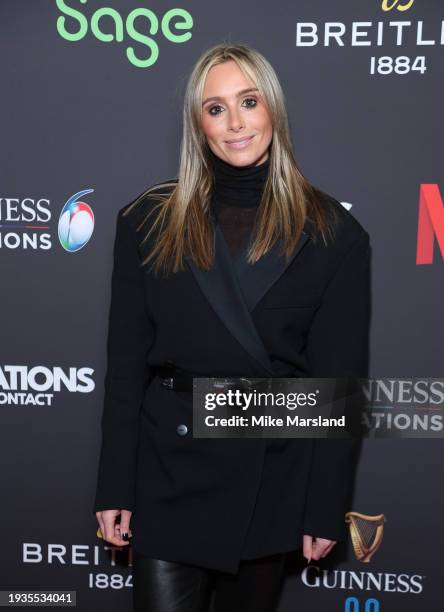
236 196
213 502
163 586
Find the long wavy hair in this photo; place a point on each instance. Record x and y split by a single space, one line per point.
182 210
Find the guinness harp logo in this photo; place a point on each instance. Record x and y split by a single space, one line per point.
366 533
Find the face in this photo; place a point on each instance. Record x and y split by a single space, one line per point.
236 122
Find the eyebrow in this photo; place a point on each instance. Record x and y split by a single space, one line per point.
239 93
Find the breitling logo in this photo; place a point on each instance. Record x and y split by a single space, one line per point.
388 6
366 534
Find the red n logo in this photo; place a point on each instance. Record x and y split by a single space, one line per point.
430 223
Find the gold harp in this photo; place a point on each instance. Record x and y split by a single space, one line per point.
366 533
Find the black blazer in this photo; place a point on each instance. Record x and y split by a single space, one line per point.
211 502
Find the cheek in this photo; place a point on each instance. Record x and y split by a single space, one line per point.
263 124
211 128
207 127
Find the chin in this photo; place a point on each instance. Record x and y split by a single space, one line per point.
243 158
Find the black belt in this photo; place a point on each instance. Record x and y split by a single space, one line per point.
177 379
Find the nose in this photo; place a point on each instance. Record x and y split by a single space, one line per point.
235 121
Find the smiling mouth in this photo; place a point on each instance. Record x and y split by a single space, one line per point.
239 144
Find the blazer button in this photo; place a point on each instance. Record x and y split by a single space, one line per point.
182 430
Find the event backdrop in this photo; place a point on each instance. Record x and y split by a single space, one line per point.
91 102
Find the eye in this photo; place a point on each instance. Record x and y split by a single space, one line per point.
253 100
216 106
212 108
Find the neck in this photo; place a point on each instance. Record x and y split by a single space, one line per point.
238 185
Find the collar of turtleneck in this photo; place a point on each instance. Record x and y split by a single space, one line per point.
239 185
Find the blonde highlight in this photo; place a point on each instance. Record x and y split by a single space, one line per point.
181 216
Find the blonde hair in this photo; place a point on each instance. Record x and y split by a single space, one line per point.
183 212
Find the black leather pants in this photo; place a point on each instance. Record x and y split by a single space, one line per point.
164 586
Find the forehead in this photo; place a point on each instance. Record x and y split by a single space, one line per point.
225 80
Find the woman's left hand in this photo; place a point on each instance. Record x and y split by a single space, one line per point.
316 548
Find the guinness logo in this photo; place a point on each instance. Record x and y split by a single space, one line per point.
366 534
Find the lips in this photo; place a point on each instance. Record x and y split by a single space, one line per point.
239 143
239 139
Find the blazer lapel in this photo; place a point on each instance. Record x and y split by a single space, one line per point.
233 287
257 279
221 288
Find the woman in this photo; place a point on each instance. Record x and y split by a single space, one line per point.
238 268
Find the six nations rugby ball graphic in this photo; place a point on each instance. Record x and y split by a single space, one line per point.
76 222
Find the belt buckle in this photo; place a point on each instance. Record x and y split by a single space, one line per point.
168 382
240 384
222 386
245 384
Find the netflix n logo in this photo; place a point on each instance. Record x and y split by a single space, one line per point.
430 223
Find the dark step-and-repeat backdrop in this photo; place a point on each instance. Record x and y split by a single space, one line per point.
91 98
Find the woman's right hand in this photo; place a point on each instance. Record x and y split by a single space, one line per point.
111 531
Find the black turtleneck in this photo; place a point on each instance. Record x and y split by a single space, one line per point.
236 197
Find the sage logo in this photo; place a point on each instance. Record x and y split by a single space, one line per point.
108 25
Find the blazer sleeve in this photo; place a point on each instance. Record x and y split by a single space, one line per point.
130 335
338 345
